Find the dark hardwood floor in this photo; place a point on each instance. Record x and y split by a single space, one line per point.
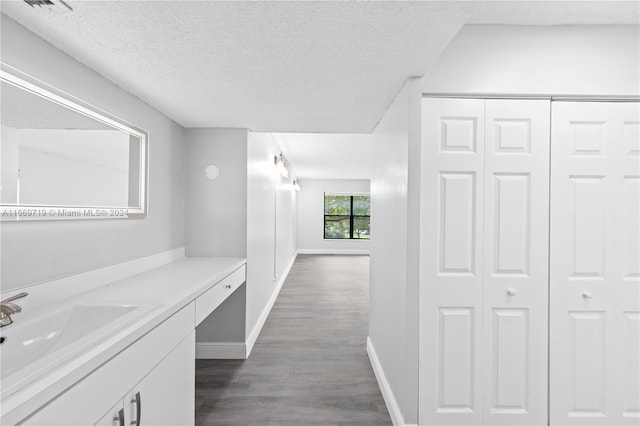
309 365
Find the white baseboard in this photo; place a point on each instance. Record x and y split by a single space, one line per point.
332 251
392 405
224 350
255 332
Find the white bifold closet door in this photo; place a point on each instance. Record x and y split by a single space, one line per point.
595 264
484 291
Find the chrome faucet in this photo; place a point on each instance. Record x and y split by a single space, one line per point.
7 309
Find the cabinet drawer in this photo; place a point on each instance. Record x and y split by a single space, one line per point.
88 400
212 298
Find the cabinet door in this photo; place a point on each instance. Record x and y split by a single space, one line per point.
115 417
516 278
594 264
166 395
451 293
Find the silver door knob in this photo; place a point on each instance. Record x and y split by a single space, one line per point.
511 291
587 294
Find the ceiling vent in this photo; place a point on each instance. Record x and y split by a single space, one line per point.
40 3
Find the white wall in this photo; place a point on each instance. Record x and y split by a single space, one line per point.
42 250
216 210
271 216
311 216
596 60
216 217
247 211
393 288
481 59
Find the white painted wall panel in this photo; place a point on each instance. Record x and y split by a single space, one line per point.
216 210
388 257
310 226
560 60
216 217
60 248
270 223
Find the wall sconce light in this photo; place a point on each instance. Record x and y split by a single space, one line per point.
282 165
296 184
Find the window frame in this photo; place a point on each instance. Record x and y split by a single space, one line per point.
350 216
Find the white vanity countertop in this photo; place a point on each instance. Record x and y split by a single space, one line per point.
158 293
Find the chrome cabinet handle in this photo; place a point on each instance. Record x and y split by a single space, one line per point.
587 294
120 417
228 285
511 291
138 401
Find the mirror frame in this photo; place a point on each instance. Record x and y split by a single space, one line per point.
21 212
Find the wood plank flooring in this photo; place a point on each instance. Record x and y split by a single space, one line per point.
309 365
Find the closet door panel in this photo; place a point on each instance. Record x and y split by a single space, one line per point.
516 229
627 286
594 293
451 296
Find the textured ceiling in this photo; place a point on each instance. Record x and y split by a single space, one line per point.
322 156
266 66
327 67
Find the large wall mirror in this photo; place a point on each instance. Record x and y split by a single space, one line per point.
61 158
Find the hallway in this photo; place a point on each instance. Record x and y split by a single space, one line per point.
309 365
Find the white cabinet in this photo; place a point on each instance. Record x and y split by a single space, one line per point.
148 369
483 303
114 417
100 395
595 264
212 298
164 397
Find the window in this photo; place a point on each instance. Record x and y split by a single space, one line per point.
346 217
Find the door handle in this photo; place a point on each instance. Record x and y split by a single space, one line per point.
587 294
511 291
138 401
120 417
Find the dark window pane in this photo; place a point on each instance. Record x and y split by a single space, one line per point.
361 205
336 227
337 204
361 227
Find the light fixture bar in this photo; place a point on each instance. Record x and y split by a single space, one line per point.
282 165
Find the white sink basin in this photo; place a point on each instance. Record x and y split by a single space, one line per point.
36 339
